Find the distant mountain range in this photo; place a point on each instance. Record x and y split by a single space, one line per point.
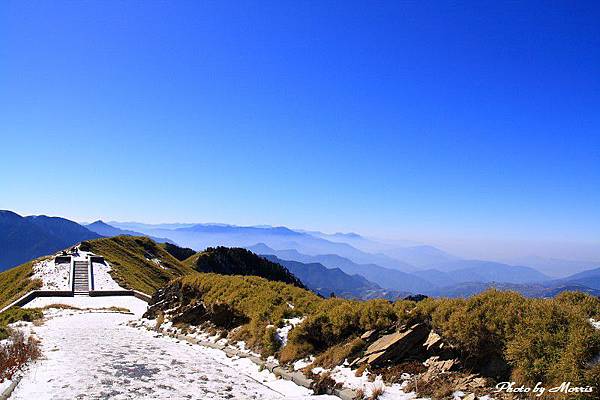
553 266
424 281
347 264
106 230
480 271
25 238
453 279
387 278
201 236
326 281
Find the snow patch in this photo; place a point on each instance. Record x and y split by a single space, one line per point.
301 364
4 385
347 377
157 262
53 276
102 278
289 324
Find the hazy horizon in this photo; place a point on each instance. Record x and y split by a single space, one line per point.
493 249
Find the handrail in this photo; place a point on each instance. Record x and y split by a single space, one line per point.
90 274
72 274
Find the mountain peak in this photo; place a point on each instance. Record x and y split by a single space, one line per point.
98 223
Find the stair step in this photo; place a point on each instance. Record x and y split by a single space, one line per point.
81 276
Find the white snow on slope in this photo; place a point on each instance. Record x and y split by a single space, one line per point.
283 332
4 385
57 276
347 376
97 356
53 276
102 278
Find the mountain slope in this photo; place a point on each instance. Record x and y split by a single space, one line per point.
408 252
488 271
238 261
201 236
590 278
15 282
384 277
106 230
25 238
138 262
325 281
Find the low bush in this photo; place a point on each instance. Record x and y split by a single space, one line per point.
336 320
336 355
505 335
501 335
16 353
15 314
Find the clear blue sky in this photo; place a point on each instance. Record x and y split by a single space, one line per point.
389 118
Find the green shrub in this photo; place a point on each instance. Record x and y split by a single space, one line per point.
536 340
15 314
271 343
553 342
239 261
499 334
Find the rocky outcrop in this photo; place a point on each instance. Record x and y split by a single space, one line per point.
180 304
394 346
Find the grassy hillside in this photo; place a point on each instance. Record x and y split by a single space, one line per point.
238 261
17 281
537 340
138 262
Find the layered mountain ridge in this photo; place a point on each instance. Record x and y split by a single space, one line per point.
346 264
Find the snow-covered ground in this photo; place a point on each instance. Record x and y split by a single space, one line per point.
4 385
97 355
133 304
283 332
57 276
102 278
343 374
53 276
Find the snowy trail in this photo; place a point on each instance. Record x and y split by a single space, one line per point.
97 356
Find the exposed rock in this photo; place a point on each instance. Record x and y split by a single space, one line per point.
433 342
368 335
395 346
470 396
437 366
469 383
175 301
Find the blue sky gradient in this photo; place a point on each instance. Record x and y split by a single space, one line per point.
398 119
